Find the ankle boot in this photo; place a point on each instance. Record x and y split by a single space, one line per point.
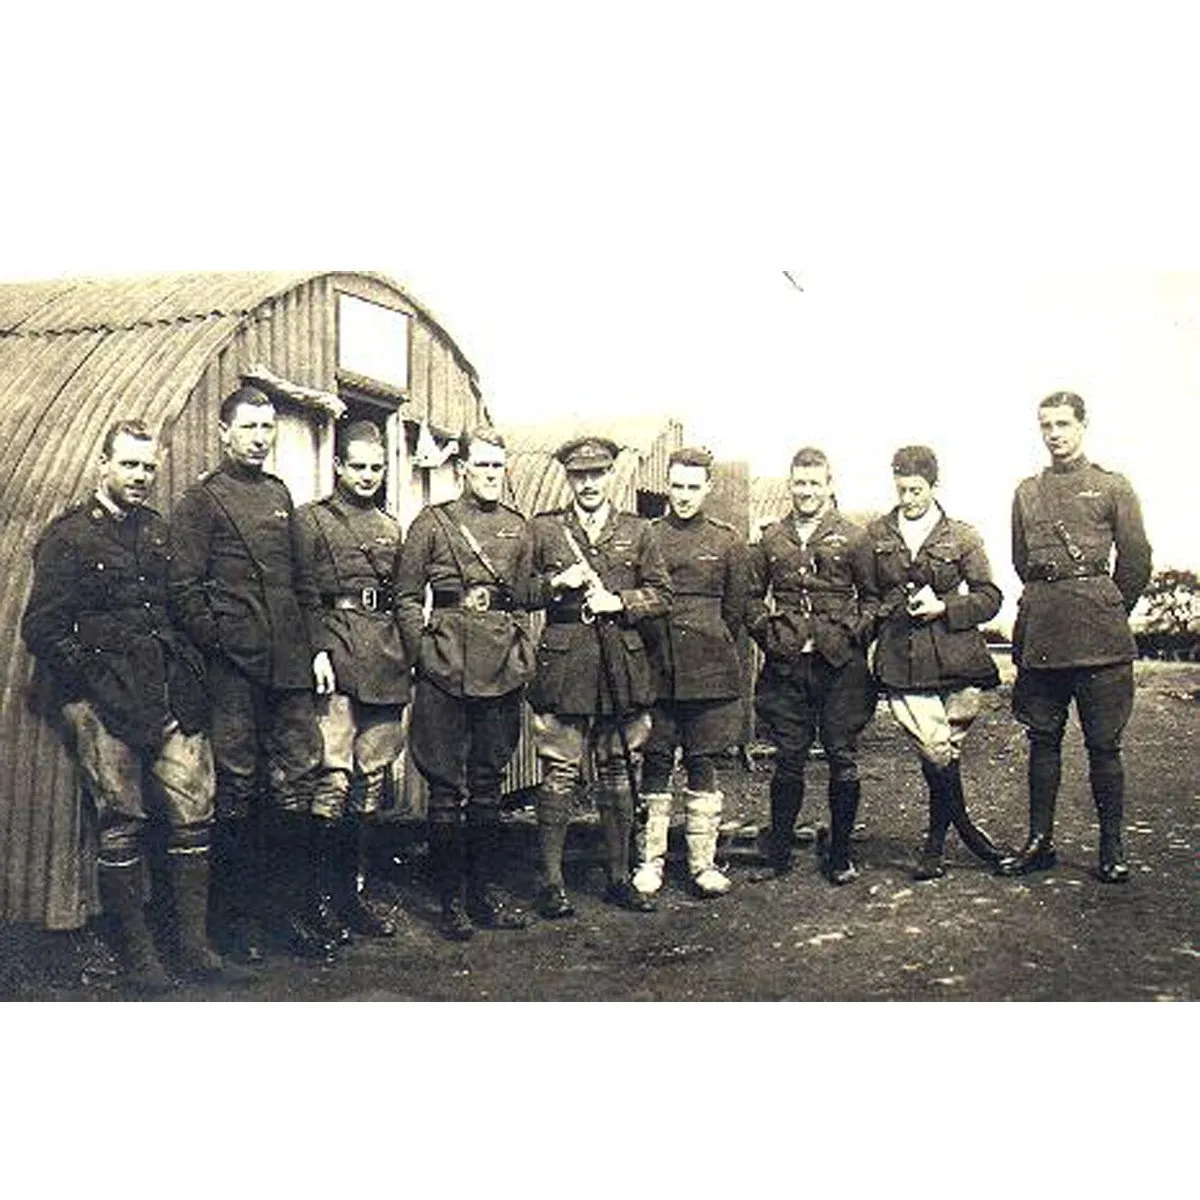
121 896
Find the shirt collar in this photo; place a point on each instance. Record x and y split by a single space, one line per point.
593 520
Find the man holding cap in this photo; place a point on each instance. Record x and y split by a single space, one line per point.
597 572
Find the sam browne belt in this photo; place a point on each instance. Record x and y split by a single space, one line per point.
478 597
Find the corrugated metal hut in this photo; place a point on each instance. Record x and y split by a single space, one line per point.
77 354
537 483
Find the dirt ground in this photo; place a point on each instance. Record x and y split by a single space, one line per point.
970 936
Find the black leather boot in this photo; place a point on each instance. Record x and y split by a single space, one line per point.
447 859
972 836
1108 792
352 858
290 885
929 862
843 809
787 799
487 904
324 867
1038 853
189 875
121 896
235 891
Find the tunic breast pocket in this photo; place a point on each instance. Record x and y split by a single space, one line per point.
944 569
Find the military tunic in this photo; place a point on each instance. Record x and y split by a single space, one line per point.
352 553
948 652
130 687
236 582
97 618
474 655
475 643
823 591
811 609
695 650
1074 609
627 558
240 589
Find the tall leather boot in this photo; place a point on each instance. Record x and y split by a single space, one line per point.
651 840
1107 778
702 817
929 863
324 915
553 817
448 861
787 799
121 896
353 854
972 836
487 904
615 804
1045 772
289 884
235 891
843 808
189 874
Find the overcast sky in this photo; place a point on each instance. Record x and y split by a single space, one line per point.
601 209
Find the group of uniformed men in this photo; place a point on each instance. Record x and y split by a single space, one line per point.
244 672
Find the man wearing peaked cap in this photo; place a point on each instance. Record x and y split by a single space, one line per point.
598 573
587 454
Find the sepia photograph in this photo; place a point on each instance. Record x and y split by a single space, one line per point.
656 504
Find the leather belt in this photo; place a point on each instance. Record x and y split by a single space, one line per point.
1051 572
572 615
479 597
367 599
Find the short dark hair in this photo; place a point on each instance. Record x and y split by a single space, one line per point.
1065 399
133 427
691 456
487 434
809 456
916 460
246 394
358 431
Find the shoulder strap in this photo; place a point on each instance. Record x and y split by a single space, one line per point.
209 486
449 526
1038 507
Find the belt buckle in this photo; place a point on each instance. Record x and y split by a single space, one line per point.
369 598
477 598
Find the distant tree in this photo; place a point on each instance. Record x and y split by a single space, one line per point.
1166 621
